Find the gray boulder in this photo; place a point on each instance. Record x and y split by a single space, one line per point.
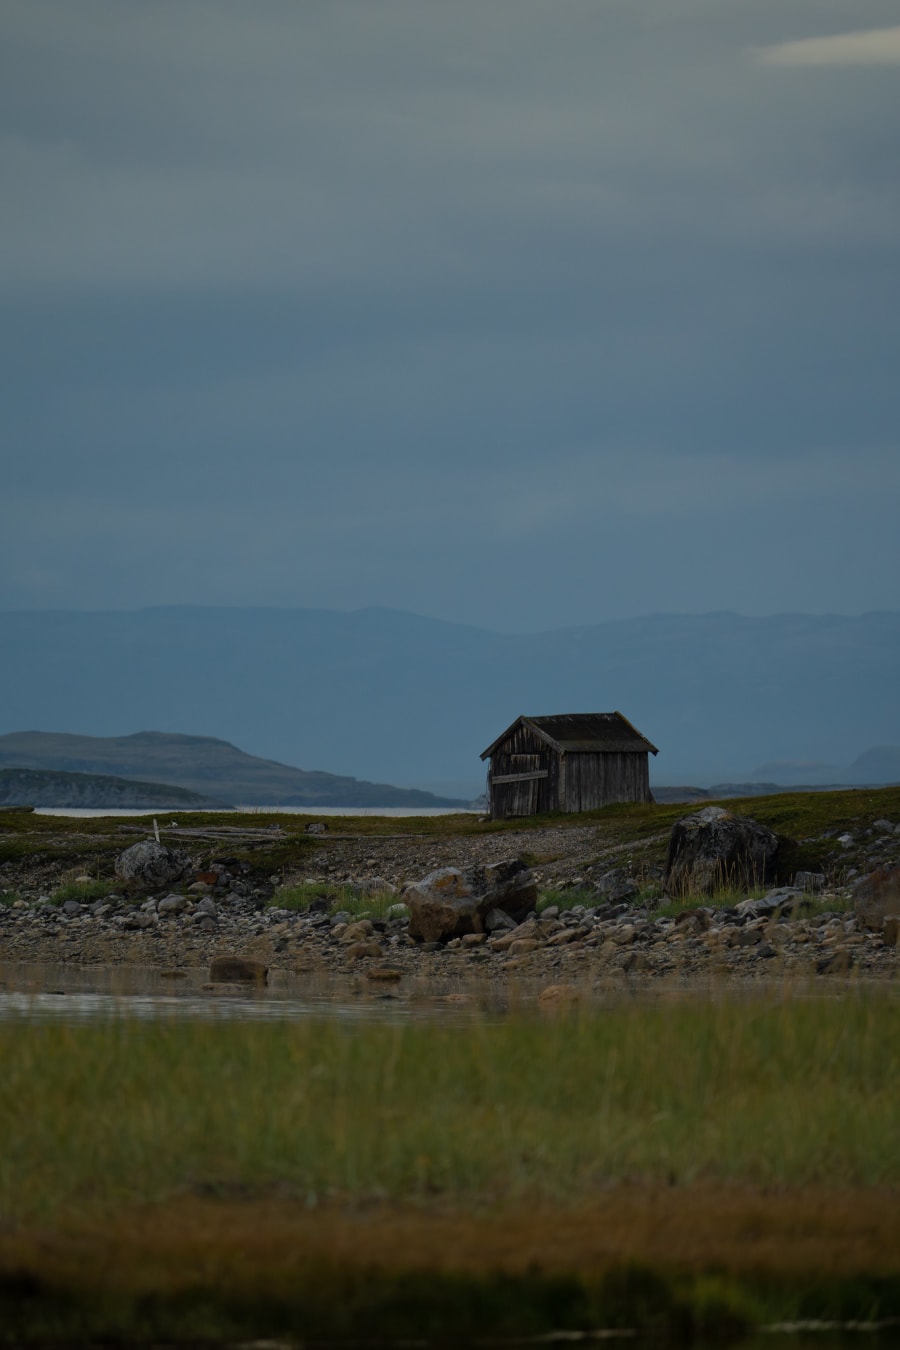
509 886
152 864
452 902
714 849
784 897
877 897
617 887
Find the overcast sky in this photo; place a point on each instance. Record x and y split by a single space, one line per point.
517 312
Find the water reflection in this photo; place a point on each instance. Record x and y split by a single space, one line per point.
45 992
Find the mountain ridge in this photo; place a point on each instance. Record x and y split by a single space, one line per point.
413 700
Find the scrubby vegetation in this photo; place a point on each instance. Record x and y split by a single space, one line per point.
332 899
82 891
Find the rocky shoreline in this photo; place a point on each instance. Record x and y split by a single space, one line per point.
219 910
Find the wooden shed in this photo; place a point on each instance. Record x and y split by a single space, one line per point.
567 762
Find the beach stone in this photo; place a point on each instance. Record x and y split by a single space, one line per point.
237 970
497 921
152 864
452 902
358 951
508 886
442 906
357 932
891 930
172 904
714 849
809 881
617 887
780 898
522 946
876 897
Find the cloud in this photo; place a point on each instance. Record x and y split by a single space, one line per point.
871 47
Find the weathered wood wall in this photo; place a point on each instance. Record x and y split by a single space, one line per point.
524 753
527 777
593 780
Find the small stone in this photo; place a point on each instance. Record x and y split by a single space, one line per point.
564 937
357 932
522 946
358 951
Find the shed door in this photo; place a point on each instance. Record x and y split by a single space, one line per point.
515 791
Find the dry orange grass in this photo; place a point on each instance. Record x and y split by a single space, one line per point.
262 1243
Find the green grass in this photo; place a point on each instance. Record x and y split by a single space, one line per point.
82 891
337 899
800 1092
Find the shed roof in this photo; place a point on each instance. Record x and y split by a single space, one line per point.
585 732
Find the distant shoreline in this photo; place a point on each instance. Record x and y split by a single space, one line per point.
169 811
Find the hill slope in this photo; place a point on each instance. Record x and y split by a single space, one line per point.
47 787
204 765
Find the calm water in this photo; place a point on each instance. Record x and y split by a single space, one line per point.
42 992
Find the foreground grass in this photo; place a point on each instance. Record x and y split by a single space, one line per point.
699 1164
804 1092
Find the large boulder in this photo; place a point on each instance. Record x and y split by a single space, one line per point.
452 902
716 850
152 864
877 897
